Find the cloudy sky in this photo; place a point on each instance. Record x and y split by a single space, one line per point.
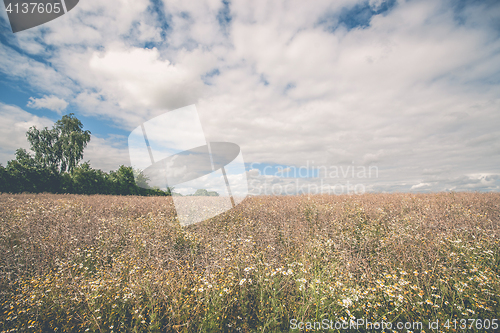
408 88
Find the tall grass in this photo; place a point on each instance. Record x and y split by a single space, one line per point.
124 264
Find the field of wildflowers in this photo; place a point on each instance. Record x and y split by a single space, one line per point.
74 263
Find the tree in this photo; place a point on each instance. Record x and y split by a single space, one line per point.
27 175
54 167
205 193
4 179
123 181
45 145
141 179
89 181
59 148
72 141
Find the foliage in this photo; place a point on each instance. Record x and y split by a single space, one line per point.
60 147
55 167
141 179
205 193
45 145
124 264
72 140
89 181
25 174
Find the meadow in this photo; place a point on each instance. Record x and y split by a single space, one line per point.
76 263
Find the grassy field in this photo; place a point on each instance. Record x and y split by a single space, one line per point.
124 264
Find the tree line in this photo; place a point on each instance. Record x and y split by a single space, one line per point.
53 166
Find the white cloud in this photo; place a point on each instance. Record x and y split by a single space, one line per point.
139 78
91 22
48 102
415 92
420 185
37 75
14 125
106 153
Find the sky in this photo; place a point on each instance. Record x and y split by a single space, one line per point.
375 96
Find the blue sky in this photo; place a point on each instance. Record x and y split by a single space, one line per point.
410 87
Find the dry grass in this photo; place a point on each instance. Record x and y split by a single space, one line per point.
124 264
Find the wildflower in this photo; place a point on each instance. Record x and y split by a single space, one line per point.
242 281
347 302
